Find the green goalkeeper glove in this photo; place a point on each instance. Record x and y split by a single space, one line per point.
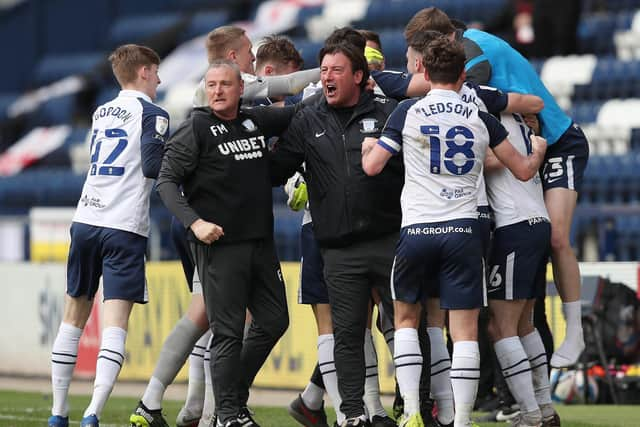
296 188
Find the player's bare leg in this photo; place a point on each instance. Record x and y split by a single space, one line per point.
560 203
440 361
515 365
311 399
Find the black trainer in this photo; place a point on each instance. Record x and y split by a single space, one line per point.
378 421
144 417
305 416
398 403
356 421
245 418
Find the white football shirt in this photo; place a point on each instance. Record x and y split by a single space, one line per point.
444 141
116 193
513 200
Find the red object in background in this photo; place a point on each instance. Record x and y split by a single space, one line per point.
90 342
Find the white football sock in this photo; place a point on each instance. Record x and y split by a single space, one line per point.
328 369
110 360
440 382
312 396
517 373
573 345
63 360
408 362
371 385
195 390
465 373
537 355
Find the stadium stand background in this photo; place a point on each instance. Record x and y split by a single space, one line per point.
58 74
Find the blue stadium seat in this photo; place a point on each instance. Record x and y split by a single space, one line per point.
106 94
6 100
135 29
140 7
635 139
56 111
57 66
309 51
394 48
45 187
203 22
585 112
595 31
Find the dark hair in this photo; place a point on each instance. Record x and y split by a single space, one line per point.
444 60
355 56
128 58
371 36
458 24
279 49
430 18
420 40
347 35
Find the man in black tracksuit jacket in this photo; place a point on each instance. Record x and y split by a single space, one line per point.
356 218
220 157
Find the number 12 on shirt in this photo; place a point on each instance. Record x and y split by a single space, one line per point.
455 153
116 138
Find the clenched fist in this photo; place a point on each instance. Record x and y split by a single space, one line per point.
206 232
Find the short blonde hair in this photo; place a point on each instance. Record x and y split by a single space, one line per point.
127 59
221 40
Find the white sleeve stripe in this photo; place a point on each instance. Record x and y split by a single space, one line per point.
389 145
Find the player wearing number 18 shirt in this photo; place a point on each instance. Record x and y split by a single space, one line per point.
110 227
443 140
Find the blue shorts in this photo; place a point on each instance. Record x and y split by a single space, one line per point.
179 238
518 263
565 161
116 255
313 289
485 225
446 255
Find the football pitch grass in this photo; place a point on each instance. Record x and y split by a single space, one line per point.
27 409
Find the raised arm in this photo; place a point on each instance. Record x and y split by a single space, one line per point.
284 85
523 167
374 156
524 104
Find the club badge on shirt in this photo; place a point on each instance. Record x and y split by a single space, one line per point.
249 125
162 124
368 125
